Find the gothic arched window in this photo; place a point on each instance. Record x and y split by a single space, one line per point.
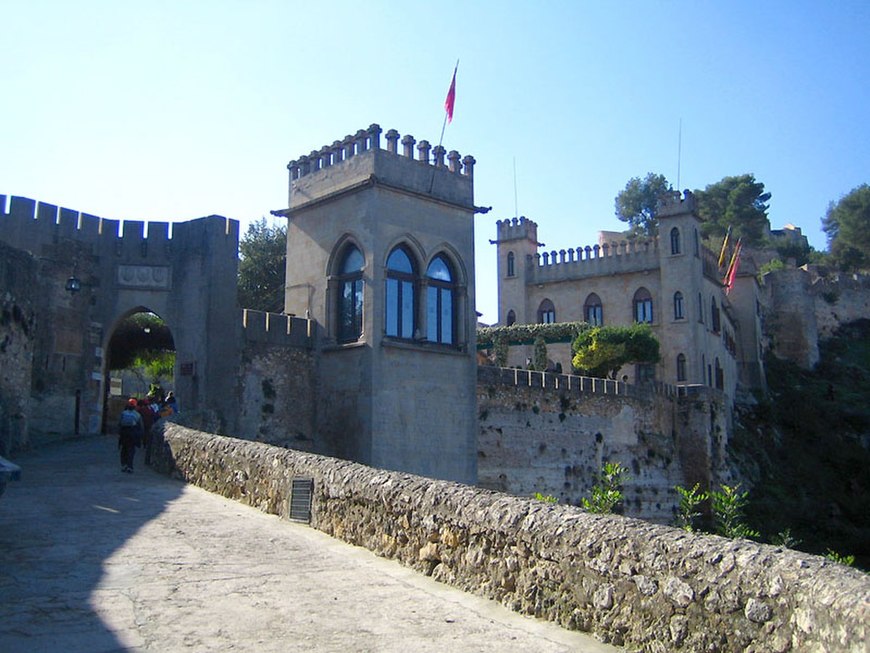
546 312
440 301
350 295
511 318
643 306
675 241
400 301
681 367
593 311
511 265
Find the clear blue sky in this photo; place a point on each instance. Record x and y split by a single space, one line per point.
158 110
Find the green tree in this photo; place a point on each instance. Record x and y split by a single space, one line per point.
602 351
728 513
740 202
140 335
540 354
847 225
262 254
690 501
607 493
152 368
637 203
501 349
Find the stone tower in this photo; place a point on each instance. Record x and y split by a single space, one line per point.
686 304
517 247
380 254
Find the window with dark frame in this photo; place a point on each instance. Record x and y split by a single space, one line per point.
593 311
440 302
675 241
400 304
350 295
546 312
643 306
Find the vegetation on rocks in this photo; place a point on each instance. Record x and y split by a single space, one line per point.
805 450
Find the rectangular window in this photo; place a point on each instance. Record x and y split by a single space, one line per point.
400 308
446 316
350 310
643 311
392 325
407 292
432 314
594 315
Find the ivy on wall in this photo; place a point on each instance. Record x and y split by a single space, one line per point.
525 334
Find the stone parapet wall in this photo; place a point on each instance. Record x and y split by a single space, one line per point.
632 583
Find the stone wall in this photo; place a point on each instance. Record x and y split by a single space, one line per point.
17 330
277 382
806 305
536 437
628 582
839 301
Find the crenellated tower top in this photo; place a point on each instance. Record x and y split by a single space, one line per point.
517 229
673 204
359 159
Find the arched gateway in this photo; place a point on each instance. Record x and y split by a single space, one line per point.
89 274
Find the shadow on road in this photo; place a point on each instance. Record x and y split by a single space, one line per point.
72 509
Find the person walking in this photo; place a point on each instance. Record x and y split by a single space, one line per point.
130 433
148 418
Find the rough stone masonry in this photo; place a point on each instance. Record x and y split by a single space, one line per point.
631 583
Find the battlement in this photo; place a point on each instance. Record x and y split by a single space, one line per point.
359 160
29 225
673 204
517 229
595 260
276 328
370 139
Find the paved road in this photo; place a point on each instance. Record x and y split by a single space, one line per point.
93 560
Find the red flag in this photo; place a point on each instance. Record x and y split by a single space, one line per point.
451 97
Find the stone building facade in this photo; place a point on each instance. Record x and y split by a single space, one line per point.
380 254
373 358
376 340
707 336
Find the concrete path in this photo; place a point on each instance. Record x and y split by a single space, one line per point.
93 560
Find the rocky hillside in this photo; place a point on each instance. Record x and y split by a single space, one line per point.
804 451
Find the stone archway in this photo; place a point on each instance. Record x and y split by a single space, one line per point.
139 338
90 273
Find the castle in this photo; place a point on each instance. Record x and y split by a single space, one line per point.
374 357
708 334
372 360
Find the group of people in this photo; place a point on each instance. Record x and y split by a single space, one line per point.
136 422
